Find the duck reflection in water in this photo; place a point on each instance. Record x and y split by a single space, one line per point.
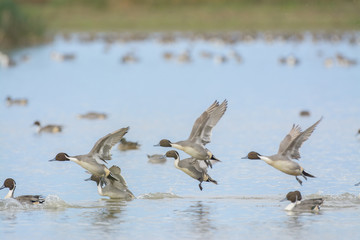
108 218
200 214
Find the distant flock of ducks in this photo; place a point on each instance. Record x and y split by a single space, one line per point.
111 183
228 39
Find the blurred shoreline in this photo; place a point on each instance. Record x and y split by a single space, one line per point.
196 15
32 22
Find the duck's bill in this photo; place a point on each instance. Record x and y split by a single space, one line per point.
88 179
246 157
283 200
2 187
52 160
358 184
157 145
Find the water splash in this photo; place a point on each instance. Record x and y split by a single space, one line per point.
51 202
158 195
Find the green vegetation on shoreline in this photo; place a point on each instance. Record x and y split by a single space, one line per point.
25 22
16 28
197 15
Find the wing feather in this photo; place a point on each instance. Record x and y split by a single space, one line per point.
293 149
201 121
214 118
294 132
103 146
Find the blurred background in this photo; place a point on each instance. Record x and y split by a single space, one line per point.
30 21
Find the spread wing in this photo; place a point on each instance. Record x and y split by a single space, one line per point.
103 146
199 165
202 129
293 149
212 121
200 121
192 163
203 165
294 132
116 171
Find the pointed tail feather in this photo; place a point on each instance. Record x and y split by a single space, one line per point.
211 180
215 159
307 174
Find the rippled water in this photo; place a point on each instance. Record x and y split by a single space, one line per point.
161 99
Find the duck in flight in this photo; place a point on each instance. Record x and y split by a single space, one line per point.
200 134
288 150
192 167
111 188
94 161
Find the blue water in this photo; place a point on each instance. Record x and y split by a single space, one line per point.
161 99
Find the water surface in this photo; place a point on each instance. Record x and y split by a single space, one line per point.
159 99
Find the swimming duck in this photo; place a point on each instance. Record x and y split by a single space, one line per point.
48 128
304 113
20 101
62 56
156 158
127 145
93 115
305 205
30 199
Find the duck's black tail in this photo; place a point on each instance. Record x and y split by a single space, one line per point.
211 180
307 174
214 158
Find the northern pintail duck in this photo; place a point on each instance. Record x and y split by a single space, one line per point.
168 55
345 62
156 158
236 56
62 56
96 159
200 134
20 101
329 62
289 149
113 189
30 199
219 59
305 205
192 167
289 60
184 57
48 128
93 115
304 113
129 58
206 54
127 145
